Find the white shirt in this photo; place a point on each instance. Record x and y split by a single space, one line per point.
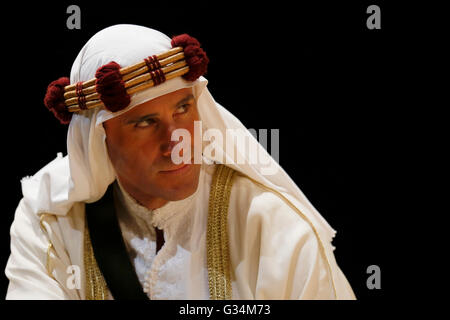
161 275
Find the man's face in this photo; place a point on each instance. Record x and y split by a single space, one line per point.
139 146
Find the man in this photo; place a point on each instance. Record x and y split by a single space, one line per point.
120 218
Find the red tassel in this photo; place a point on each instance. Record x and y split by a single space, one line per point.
54 100
195 57
111 88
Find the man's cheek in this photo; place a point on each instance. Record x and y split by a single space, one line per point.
128 162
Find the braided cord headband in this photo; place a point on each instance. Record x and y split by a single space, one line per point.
113 85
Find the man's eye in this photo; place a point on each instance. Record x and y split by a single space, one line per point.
145 123
182 109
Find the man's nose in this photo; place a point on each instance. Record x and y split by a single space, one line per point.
167 148
168 145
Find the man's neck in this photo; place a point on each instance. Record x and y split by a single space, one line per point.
144 200
151 204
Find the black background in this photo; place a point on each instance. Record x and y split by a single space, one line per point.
335 89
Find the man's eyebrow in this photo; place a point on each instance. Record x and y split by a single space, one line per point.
184 100
142 118
151 115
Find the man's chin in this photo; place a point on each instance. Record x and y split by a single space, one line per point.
181 189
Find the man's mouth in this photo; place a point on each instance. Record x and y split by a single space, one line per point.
179 169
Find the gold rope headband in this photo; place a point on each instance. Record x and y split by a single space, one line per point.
112 86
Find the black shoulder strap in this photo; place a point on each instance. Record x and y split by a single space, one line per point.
110 251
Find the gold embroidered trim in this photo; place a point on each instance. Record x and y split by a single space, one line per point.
48 266
321 246
41 221
48 263
96 288
218 255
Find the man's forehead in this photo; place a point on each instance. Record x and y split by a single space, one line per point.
168 100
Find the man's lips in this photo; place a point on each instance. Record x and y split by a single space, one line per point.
180 168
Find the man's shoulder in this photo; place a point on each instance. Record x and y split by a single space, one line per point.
257 202
47 189
265 220
248 190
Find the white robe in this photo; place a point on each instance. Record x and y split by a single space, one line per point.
274 252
